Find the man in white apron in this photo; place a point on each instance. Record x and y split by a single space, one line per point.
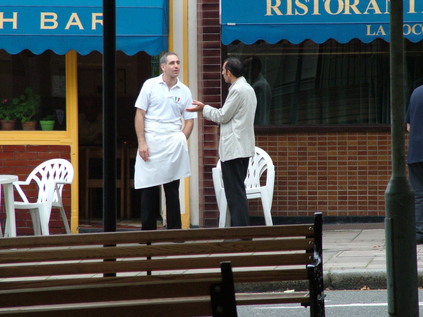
162 157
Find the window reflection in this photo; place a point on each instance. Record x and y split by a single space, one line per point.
254 75
329 83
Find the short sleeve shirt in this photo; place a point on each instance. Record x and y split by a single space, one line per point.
165 105
415 118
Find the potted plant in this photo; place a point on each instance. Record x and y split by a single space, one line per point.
26 106
7 115
47 122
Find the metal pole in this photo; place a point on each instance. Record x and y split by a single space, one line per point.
401 262
109 114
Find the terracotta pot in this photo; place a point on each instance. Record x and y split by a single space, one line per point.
29 125
8 124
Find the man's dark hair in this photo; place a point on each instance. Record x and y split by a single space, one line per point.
163 59
235 66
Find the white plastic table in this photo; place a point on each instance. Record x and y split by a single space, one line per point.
7 182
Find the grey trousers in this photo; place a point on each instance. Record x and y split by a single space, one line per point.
233 175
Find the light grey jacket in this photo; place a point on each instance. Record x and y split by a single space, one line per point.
236 119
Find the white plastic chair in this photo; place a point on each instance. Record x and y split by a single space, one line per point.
50 176
258 164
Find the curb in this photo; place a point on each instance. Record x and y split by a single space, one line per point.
333 280
358 279
355 279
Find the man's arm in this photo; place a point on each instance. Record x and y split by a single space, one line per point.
219 115
189 125
139 129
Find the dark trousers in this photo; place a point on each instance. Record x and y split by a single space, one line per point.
233 175
415 172
150 206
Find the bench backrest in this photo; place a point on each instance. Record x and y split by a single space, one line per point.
137 259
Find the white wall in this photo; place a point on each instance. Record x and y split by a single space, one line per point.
184 43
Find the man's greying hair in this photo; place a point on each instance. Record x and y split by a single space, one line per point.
163 59
235 66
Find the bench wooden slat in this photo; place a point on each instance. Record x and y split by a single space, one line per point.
107 292
193 305
143 265
158 236
272 298
130 251
239 277
174 307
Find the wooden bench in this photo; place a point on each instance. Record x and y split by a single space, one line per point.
159 273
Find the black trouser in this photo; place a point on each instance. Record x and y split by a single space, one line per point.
233 175
415 172
150 206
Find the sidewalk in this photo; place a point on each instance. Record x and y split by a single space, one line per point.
354 256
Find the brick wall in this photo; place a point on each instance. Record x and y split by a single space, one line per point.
20 160
210 86
342 174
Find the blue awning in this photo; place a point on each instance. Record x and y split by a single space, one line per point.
319 20
64 25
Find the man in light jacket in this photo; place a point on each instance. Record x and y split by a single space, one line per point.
237 140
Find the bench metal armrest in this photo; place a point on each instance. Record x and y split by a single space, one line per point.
315 271
223 294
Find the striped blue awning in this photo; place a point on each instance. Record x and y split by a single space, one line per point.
64 25
319 20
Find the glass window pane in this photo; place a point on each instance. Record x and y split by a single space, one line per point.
41 76
329 83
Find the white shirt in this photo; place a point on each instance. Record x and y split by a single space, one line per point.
163 105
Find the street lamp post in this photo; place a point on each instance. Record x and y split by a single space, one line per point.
109 115
401 263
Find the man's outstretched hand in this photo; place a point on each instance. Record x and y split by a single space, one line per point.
198 106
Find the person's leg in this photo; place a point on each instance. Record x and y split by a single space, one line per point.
173 208
150 205
233 175
415 172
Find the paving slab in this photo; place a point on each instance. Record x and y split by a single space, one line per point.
355 258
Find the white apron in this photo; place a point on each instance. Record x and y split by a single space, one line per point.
169 158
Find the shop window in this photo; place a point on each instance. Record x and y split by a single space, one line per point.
131 72
323 84
32 88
